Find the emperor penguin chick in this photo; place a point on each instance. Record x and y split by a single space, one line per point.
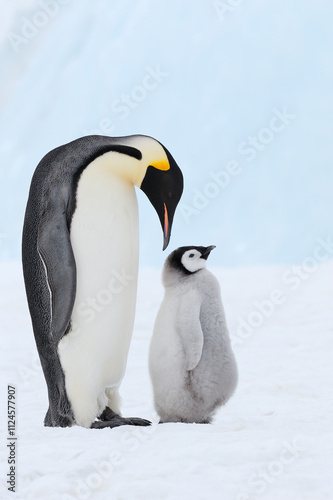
191 363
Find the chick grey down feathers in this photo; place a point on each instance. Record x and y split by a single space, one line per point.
192 366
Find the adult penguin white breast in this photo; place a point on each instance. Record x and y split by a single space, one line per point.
80 262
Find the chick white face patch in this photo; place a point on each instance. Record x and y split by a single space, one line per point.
192 260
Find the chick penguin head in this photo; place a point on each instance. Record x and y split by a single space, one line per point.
189 260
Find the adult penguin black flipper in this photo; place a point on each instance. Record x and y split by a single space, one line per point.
56 253
80 262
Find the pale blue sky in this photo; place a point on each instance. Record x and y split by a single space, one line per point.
251 88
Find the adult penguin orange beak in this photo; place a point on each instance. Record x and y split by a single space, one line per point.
163 185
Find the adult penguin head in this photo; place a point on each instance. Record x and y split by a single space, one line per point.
162 182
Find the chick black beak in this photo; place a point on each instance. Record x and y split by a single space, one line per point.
206 252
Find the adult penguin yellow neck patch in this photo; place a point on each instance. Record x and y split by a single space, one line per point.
161 165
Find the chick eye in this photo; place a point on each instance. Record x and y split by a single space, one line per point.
191 255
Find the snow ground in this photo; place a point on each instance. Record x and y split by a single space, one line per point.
272 441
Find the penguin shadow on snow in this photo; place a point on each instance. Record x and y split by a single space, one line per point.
191 363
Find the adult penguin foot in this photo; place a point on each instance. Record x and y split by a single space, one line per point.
111 419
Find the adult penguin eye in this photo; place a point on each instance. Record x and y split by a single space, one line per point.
191 255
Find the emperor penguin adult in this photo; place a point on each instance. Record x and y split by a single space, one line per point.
80 262
192 365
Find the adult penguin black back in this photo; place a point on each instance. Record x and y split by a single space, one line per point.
80 262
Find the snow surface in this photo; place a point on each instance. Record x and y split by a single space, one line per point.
273 440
